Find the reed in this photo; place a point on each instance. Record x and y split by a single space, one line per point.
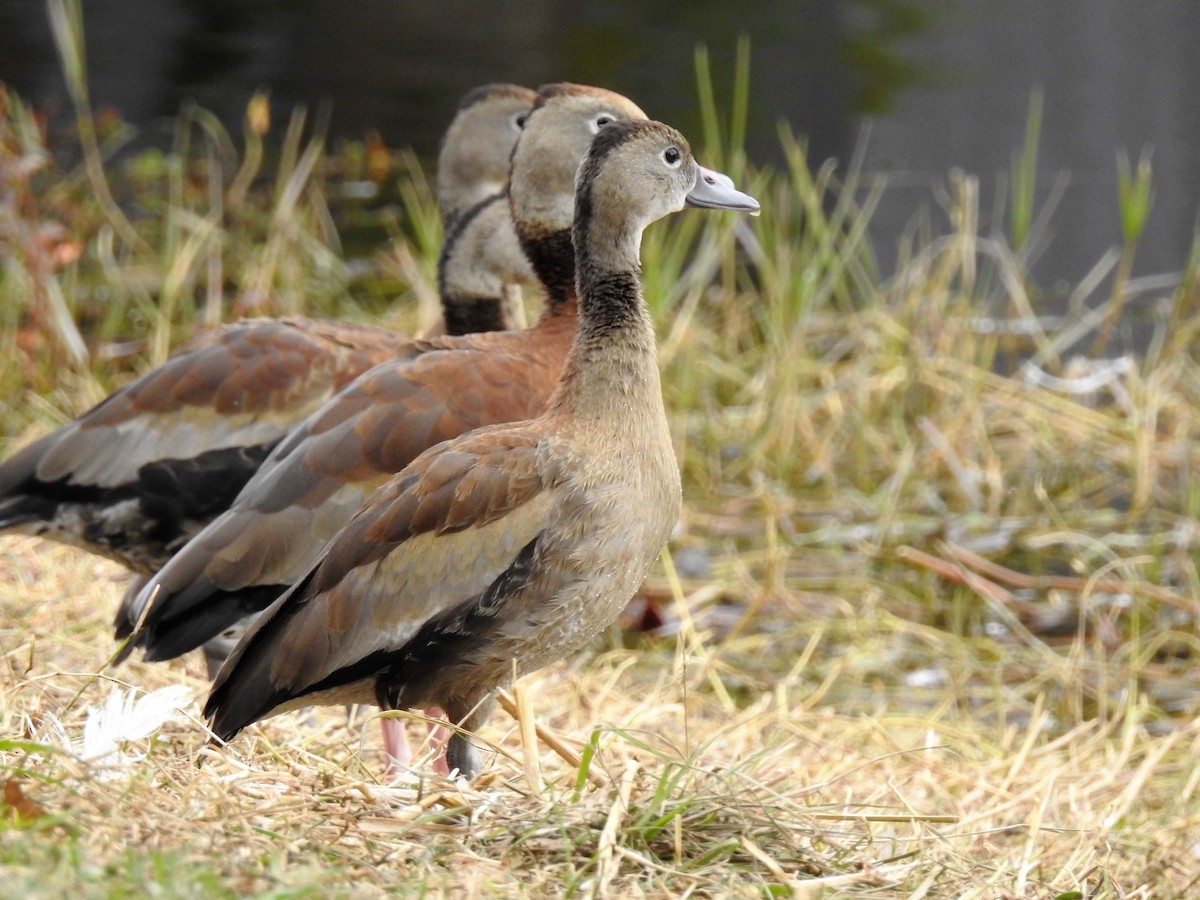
929 621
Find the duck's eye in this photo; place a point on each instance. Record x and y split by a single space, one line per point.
519 120
601 120
672 156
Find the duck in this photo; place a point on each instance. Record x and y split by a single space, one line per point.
332 463
136 476
473 157
503 550
472 169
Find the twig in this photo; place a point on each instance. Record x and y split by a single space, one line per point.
551 740
1073 583
66 24
529 748
959 575
605 869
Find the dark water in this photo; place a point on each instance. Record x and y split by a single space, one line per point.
944 83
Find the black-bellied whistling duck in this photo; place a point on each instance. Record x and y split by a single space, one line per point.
472 168
136 476
508 547
331 464
473 160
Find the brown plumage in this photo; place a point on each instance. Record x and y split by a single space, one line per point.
514 544
331 464
139 474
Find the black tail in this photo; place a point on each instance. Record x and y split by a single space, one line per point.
24 509
245 691
168 636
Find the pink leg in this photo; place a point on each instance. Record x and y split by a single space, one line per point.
395 745
398 750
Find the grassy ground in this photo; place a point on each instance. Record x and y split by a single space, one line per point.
926 629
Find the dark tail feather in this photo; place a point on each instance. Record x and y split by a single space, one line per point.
171 635
24 509
244 691
124 623
123 652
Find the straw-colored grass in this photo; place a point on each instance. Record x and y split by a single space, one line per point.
929 616
804 757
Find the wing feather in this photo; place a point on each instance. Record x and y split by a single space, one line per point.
333 463
431 540
243 385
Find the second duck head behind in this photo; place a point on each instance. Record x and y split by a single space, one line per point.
544 165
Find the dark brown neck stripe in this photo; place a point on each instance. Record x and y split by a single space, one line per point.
472 315
553 259
610 302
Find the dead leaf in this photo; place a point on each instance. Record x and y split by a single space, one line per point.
19 808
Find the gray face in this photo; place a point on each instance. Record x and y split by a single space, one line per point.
648 169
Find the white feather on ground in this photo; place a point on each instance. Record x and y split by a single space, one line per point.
127 716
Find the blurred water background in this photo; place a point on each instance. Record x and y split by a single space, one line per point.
929 85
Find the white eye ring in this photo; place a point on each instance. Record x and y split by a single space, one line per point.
519 120
601 120
672 157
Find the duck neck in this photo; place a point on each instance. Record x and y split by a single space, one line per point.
552 256
471 273
541 202
471 315
612 369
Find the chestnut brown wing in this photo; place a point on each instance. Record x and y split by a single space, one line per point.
147 467
435 538
321 475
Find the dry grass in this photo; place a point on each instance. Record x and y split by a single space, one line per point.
933 632
708 776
